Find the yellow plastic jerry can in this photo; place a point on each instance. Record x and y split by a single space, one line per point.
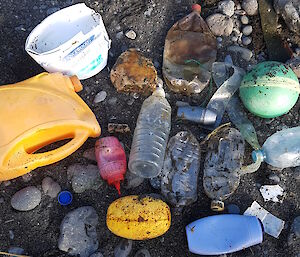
37 112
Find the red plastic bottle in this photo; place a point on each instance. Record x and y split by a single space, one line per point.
111 160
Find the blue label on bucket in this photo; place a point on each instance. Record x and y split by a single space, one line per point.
79 48
94 64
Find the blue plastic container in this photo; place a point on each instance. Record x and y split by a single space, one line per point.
221 234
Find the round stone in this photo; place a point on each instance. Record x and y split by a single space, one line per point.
26 199
247 30
244 20
246 41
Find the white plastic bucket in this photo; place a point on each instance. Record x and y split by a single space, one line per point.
73 41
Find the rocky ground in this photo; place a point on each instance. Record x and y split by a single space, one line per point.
37 231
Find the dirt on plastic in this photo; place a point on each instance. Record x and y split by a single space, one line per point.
37 231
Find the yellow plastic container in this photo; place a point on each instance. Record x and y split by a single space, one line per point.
37 112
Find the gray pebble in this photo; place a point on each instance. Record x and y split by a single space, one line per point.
52 10
20 28
220 24
233 209
250 6
246 41
16 250
26 199
90 154
130 34
244 53
219 39
234 39
27 177
84 177
244 20
78 235
124 248
294 235
50 187
226 7
11 234
119 35
142 253
97 254
274 178
100 97
247 30
1 200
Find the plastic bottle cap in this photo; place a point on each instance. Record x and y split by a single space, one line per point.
65 198
196 8
258 155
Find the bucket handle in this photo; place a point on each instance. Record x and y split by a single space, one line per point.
30 161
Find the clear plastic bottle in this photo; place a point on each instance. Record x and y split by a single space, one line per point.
151 135
281 150
181 168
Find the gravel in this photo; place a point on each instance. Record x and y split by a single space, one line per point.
142 253
246 41
78 235
244 20
26 199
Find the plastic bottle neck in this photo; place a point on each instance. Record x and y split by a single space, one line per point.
258 155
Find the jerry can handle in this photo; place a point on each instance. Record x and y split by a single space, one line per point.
34 160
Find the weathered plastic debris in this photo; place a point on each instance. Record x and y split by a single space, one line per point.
270 89
150 136
222 96
73 41
138 217
224 158
269 25
281 150
221 234
133 72
272 225
190 49
220 73
197 114
111 159
272 193
181 168
118 128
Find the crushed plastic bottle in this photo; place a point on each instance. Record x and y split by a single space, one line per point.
151 135
224 158
190 49
181 169
222 96
221 234
220 73
111 160
281 150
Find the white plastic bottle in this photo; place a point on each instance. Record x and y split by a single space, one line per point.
281 150
151 135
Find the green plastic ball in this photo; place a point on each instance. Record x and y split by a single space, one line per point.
270 89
